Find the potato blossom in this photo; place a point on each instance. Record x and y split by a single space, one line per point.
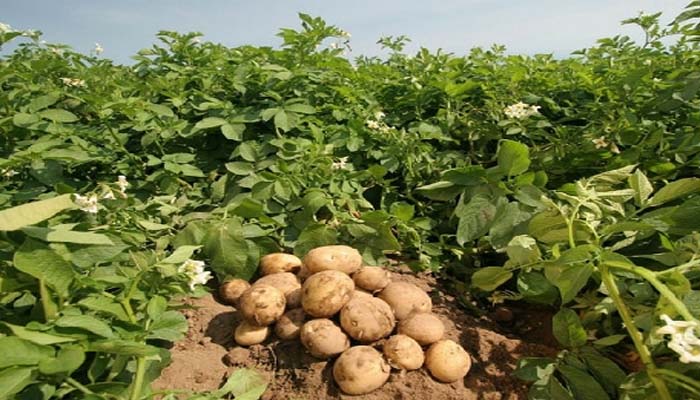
521 110
683 339
194 270
87 204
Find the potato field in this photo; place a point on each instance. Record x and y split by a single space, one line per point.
293 223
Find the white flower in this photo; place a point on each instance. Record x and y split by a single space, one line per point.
345 34
341 163
600 143
683 339
9 173
87 204
379 115
521 110
4 28
98 49
122 183
108 195
334 45
656 80
647 62
194 270
372 124
74 82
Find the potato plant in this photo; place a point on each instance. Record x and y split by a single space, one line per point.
566 182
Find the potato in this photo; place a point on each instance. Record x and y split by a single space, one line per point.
286 282
360 370
325 293
360 294
262 304
403 352
339 258
447 361
425 328
323 339
367 319
404 298
289 325
279 262
303 273
231 291
371 279
247 334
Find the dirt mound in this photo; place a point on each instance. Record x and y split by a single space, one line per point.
203 360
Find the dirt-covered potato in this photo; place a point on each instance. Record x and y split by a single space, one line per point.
447 361
230 291
247 334
262 304
360 370
323 339
404 298
325 293
425 328
289 325
338 257
361 294
402 352
367 319
286 282
279 262
371 279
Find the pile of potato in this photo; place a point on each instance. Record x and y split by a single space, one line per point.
328 302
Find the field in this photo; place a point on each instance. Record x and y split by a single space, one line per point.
550 208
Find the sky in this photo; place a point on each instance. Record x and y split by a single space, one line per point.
122 27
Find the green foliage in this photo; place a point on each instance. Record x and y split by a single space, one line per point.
529 175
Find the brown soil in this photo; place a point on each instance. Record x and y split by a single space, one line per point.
205 358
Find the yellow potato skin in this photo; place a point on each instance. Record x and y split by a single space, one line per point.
447 361
367 319
371 279
247 334
262 304
325 293
403 352
279 262
231 290
289 325
405 298
287 283
337 257
424 328
360 370
323 338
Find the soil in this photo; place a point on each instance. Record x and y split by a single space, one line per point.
208 354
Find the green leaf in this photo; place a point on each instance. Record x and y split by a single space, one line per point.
152 226
233 131
608 374
315 235
180 255
240 168
170 326
675 190
282 121
568 278
513 157
40 261
641 186
611 340
36 336
156 307
440 191
229 251
58 115
23 215
300 108
104 304
13 380
583 385
86 322
532 369
489 278
244 384
24 120
161 110
475 218
67 360
123 347
66 236
208 123
522 249
567 328
536 288
402 211
16 351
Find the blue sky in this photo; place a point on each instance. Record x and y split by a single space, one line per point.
526 26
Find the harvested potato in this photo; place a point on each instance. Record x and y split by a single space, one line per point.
262 304
447 361
230 291
286 282
361 294
367 319
247 334
325 293
339 258
404 298
279 262
425 328
323 339
360 370
289 325
371 279
402 352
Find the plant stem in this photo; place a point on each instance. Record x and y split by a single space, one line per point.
50 310
78 385
138 381
651 277
637 339
686 382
